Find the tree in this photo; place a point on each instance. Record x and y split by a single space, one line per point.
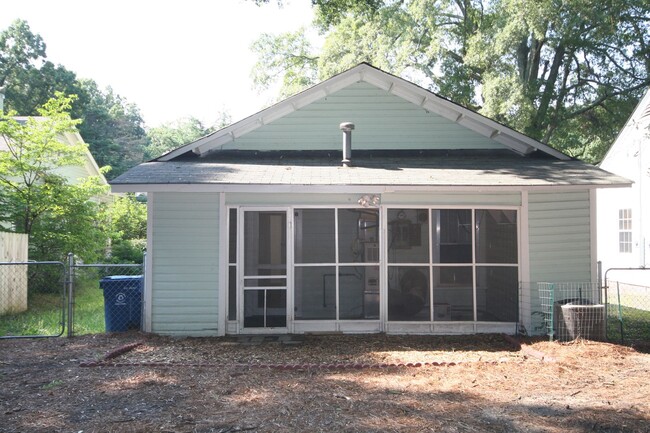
567 73
112 126
28 78
35 198
169 136
128 220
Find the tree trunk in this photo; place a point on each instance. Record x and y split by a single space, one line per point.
537 126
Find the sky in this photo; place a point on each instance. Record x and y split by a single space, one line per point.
173 59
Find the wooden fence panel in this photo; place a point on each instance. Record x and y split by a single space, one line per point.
13 279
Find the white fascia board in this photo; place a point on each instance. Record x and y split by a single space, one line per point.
477 126
310 98
440 109
217 141
516 145
380 81
278 111
246 128
342 81
351 189
409 94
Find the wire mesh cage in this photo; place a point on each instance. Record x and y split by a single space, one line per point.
573 310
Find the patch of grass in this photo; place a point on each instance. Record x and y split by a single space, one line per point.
45 317
636 324
89 309
52 385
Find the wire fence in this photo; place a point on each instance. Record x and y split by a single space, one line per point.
44 299
628 312
573 310
107 298
32 299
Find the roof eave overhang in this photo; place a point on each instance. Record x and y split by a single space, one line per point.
350 189
408 91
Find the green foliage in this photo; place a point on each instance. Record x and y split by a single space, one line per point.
34 194
287 58
566 73
28 78
169 136
128 219
112 126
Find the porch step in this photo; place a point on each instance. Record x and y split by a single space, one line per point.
262 339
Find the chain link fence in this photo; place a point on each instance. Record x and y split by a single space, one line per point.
107 298
44 299
32 299
628 312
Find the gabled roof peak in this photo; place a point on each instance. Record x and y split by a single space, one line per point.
389 83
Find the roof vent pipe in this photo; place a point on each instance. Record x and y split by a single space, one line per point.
347 128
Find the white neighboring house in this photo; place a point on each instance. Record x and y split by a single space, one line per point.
624 214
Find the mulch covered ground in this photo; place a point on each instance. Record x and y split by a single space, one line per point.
322 384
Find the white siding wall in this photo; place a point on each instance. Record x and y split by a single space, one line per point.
185 261
382 120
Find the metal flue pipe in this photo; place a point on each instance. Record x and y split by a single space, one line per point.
347 128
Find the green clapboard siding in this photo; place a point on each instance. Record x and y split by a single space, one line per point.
559 235
185 260
382 120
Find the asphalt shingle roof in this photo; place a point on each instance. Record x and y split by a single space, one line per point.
478 170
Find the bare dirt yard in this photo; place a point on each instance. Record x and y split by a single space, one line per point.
323 384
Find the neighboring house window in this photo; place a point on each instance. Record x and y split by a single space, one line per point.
625 230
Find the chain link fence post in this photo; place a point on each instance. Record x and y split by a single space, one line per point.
70 281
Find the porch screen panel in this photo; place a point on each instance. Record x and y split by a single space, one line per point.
336 264
315 292
359 292
497 291
358 229
408 293
466 270
408 236
451 235
232 264
314 240
496 236
453 293
265 239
